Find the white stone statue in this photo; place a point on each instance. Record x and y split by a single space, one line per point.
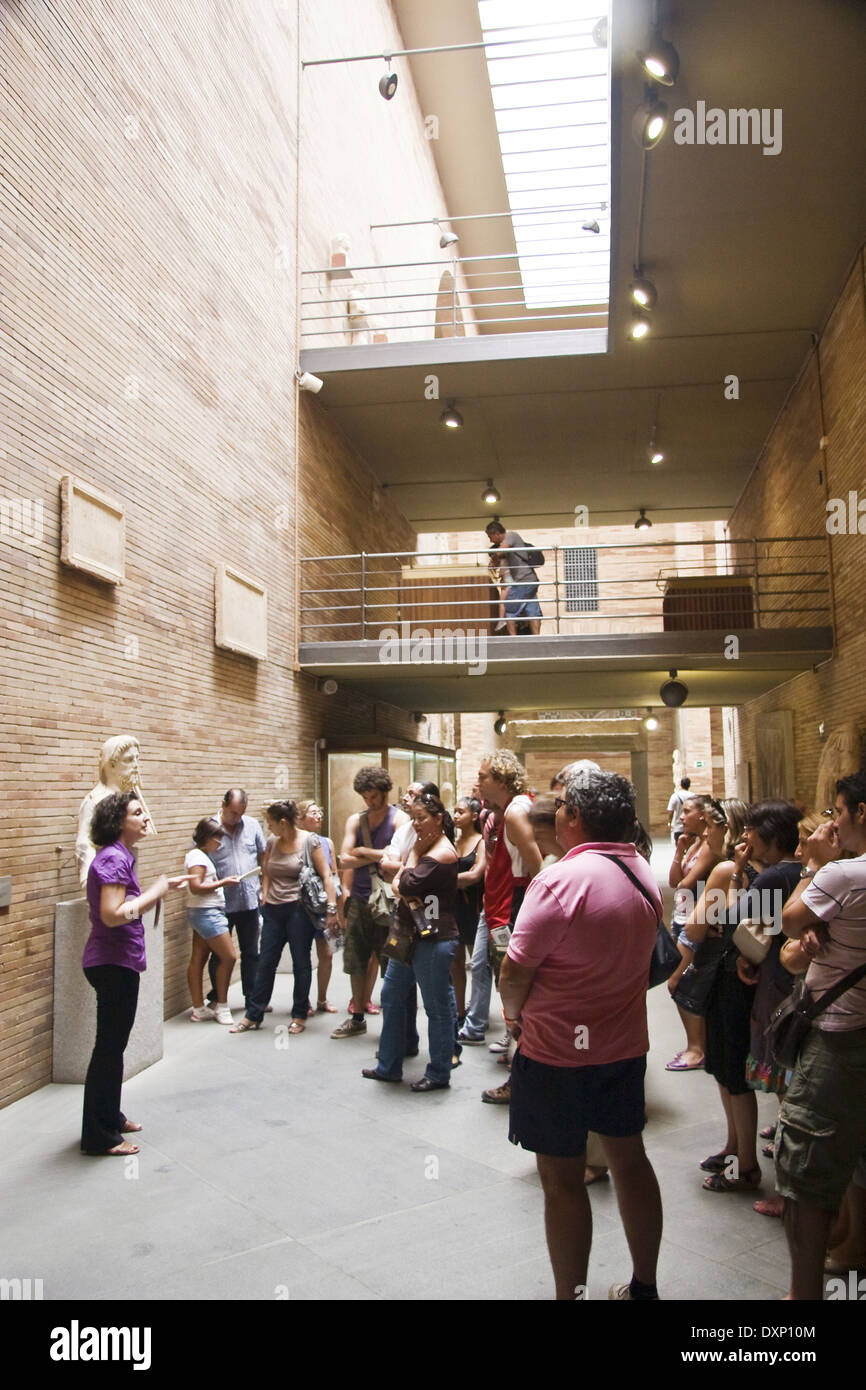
119 771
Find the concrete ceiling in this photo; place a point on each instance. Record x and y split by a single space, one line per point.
747 251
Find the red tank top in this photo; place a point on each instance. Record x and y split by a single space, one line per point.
499 881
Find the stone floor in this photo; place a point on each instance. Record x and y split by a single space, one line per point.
270 1168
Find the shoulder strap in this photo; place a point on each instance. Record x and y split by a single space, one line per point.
635 880
831 995
364 827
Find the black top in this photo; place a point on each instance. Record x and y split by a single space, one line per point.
467 908
430 878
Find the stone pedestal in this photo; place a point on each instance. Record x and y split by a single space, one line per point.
75 1000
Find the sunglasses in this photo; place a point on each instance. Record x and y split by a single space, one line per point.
557 802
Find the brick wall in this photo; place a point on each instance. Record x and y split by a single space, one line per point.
150 339
786 495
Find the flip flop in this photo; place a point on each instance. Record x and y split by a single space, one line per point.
132 1127
768 1132
679 1065
769 1206
717 1182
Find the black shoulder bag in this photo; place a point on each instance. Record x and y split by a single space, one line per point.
666 956
791 1024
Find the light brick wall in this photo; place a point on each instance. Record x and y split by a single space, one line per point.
786 496
149 342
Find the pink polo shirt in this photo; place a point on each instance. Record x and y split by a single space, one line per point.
589 934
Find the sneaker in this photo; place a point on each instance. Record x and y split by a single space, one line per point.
351 1028
223 1014
500 1095
502 1044
621 1293
199 1015
468 1040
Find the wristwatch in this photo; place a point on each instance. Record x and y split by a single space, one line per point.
807 873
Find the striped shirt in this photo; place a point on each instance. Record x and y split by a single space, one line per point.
837 894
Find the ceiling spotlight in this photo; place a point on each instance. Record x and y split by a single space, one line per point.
599 32
591 226
643 292
448 239
451 418
656 456
640 325
650 121
650 723
388 84
490 495
661 61
673 692
327 687
500 724
643 522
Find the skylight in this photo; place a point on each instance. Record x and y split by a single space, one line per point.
551 95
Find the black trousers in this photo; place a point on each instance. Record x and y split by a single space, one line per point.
247 926
116 1001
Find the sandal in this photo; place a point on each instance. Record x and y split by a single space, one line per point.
323 1007
770 1206
717 1182
768 1150
679 1065
245 1025
768 1132
122 1150
297 1025
716 1163
371 1008
132 1127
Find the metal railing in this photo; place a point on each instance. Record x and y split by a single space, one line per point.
419 300
661 586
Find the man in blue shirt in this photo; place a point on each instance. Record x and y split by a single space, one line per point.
242 847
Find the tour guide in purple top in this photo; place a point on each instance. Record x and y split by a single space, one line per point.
113 960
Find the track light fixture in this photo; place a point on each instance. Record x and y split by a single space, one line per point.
599 32
643 292
500 724
650 723
673 693
307 382
448 239
451 418
650 120
640 325
661 61
643 522
591 226
490 495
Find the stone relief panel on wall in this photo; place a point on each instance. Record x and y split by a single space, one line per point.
774 745
840 756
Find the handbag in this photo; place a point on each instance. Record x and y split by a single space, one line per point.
695 985
665 956
399 942
314 899
381 899
792 1022
753 939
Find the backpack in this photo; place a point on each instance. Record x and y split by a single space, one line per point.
532 556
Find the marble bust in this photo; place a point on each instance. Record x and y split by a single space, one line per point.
119 771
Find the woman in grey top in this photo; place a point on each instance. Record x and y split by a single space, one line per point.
284 920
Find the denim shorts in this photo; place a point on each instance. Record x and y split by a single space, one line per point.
554 1108
208 921
521 601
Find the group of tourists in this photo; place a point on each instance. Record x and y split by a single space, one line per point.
553 899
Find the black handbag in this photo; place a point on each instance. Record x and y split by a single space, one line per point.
665 956
695 985
792 1022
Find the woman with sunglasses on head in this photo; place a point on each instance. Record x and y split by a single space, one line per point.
310 817
427 883
699 848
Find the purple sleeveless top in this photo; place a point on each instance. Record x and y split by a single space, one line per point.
380 838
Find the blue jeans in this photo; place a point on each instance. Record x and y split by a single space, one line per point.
247 926
478 1014
282 924
431 969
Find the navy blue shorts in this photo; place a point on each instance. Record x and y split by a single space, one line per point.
554 1108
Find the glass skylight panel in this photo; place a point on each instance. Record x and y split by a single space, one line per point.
551 96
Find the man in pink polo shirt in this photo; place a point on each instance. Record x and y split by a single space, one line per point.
573 989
